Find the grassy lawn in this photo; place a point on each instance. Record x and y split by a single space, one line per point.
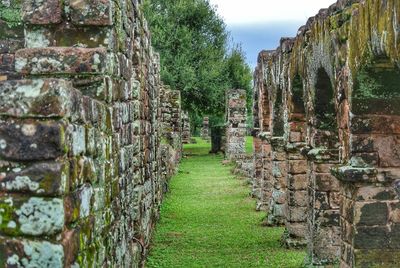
208 220
249 144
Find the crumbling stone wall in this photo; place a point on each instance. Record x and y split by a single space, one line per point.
205 130
172 121
80 158
339 79
236 115
186 134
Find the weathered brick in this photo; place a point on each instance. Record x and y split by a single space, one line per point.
39 98
42 12
30 140
56 60
91 12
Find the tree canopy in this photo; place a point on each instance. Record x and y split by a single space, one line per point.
196 55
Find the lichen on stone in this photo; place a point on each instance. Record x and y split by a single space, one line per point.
39 216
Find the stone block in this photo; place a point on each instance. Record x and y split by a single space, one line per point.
28 253
373 124
42 12
298 198
44 179
372 237
60 60
79 204
41 98
369 214
32 216
297 182
326 183
31 140
298 167
91 12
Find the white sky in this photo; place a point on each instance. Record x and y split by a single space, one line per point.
256 11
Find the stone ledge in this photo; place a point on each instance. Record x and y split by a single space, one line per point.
355 174
41 98
61 60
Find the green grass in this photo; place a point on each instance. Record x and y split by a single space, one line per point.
249 144
208 220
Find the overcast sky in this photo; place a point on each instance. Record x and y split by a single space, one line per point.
259 24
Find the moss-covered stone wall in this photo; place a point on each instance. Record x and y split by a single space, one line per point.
81 170
348 59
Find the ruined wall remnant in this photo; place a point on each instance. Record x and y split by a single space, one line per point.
236 115
205 131
171 117
186 134
327 120
80 160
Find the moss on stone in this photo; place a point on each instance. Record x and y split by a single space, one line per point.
11 13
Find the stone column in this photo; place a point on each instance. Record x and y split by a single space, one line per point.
205 131
236 124
186 135
297 196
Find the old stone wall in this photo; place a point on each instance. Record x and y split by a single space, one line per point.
186 132
205 130
81 176
236 115
327 117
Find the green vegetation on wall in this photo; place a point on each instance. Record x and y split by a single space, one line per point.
10 12
378 79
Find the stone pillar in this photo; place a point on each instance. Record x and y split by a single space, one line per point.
79 134
370 174
236 123
186 135
323 208
171 121
297 196
205 131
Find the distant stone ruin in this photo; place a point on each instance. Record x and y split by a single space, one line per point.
236 115
84 154
205 131
186 134
327 135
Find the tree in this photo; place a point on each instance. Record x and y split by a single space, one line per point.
193 44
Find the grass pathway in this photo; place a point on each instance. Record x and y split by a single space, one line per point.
208 220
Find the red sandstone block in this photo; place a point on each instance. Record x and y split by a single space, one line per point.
39 98
297 214
298 166
19 252
394 216
326 183
31 140
296 229
322 168
298 182
42 12
371 214
375 124
295 137
58 60
372 193
40 179
335 200
91 12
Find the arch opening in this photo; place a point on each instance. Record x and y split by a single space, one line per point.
325 112
278 121
297 96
